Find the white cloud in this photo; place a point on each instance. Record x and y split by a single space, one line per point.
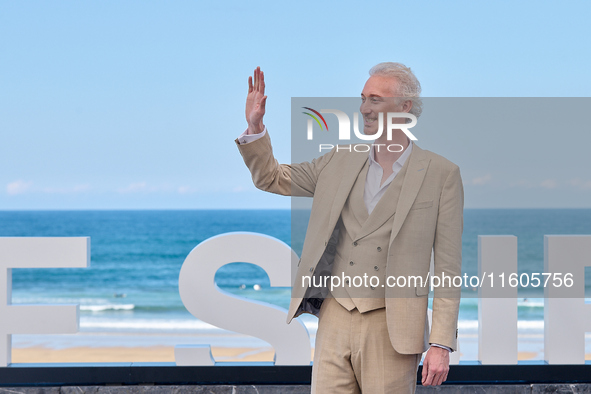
186 190
578 183
134 188
81 188
482 180
66 190
21 187
18 187
575 182
523 183
549 184
144 187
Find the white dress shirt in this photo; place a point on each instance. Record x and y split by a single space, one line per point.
373 190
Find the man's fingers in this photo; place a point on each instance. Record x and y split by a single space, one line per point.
435 367
433 379
256 78
259 73
438 380
249 84
427 378
431 375
263 102
262 83
438 377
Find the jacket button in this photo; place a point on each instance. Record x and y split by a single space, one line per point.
351 263
376 268
311 269
355 243
379 249
371 287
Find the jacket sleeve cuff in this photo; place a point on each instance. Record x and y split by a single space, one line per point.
441 346
246 138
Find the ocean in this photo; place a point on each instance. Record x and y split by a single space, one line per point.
131 285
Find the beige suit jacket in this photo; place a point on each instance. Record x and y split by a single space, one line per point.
428 219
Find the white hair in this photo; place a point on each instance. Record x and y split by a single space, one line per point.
408 84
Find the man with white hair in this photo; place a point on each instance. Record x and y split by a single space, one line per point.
381 214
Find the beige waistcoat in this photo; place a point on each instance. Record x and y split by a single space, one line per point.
362 248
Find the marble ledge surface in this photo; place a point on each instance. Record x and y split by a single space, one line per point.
279 389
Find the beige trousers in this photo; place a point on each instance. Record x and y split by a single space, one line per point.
354 354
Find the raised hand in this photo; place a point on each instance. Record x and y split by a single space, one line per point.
255 102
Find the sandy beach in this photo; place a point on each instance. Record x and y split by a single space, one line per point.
40 354
107 347
87 354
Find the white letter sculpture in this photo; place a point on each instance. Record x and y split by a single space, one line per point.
33 252
566 316
497 305
206 301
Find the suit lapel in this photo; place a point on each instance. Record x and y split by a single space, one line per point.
356 196
417 168
418 164
350 173
386 207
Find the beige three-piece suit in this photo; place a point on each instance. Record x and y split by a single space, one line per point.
382 329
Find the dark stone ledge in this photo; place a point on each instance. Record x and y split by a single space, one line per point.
293 389
556 378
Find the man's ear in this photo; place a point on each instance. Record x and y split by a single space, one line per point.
407 106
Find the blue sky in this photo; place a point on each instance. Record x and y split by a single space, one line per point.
135 104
